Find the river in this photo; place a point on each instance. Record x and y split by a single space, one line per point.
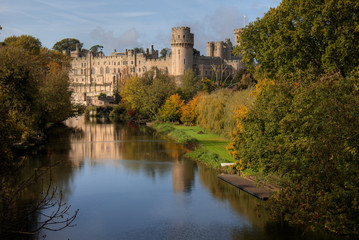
130 183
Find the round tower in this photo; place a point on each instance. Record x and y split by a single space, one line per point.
182 50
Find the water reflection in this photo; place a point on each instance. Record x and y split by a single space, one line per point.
129 183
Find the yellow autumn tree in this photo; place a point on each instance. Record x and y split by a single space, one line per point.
171 110
189 111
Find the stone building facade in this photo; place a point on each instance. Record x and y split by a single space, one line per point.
93 74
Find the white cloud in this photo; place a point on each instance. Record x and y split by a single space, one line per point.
128 39
216 26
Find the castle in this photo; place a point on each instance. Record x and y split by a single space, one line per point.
94 74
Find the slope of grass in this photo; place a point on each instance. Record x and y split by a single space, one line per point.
211 148
212 142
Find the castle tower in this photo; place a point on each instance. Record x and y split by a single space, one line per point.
236 36
210 49
219 49
228 48
182 50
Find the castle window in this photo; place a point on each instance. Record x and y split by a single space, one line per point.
179 36
107 70
118 70
114 63
114 70
101 70
184 36
139 70
82 71
93 70
82 64
118 63
131 62
184 61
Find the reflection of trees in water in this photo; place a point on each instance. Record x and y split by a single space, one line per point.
243 203
23 194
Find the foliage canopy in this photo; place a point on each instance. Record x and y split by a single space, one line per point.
321 36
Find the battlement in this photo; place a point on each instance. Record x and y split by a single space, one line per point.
175 29
182 35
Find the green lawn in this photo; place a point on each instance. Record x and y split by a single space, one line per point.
212 142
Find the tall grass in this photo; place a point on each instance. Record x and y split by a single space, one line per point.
216 110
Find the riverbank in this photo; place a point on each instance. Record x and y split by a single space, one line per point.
210 150
207 148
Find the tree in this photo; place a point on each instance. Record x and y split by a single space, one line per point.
96 49
165 52
138 50
318 35
196 52
171 110
148 93
67 44
26 42
307 133
190 85
189 111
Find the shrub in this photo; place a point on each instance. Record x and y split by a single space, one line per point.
171 110
216 110
307 133
119 113
189 111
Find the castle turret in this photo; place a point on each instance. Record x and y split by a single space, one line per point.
182 50
219 49
228 48
236 36
210 49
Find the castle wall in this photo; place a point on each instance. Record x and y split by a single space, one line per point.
95 74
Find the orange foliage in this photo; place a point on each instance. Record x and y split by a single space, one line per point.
189 111
171 110
240 115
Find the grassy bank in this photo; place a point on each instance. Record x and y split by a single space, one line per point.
208 148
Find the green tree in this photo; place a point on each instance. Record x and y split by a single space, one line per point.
307 133
96 49
320 36
165 52
19 79
67 44
138 50
196 52
190 85
28 43
148 93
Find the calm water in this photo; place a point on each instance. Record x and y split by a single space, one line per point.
129 183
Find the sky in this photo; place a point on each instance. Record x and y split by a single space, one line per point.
126 24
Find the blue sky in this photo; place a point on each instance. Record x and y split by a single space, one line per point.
119 24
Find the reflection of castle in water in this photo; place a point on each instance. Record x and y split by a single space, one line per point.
97 143
109 143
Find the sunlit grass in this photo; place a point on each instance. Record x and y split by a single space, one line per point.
210 142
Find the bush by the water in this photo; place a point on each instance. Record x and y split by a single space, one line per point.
307 132
216 110
208 158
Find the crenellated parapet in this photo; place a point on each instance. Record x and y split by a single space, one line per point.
182 36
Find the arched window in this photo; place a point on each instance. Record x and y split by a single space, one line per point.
101 70
93 70
107 70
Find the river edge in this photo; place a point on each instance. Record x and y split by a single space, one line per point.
211 159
